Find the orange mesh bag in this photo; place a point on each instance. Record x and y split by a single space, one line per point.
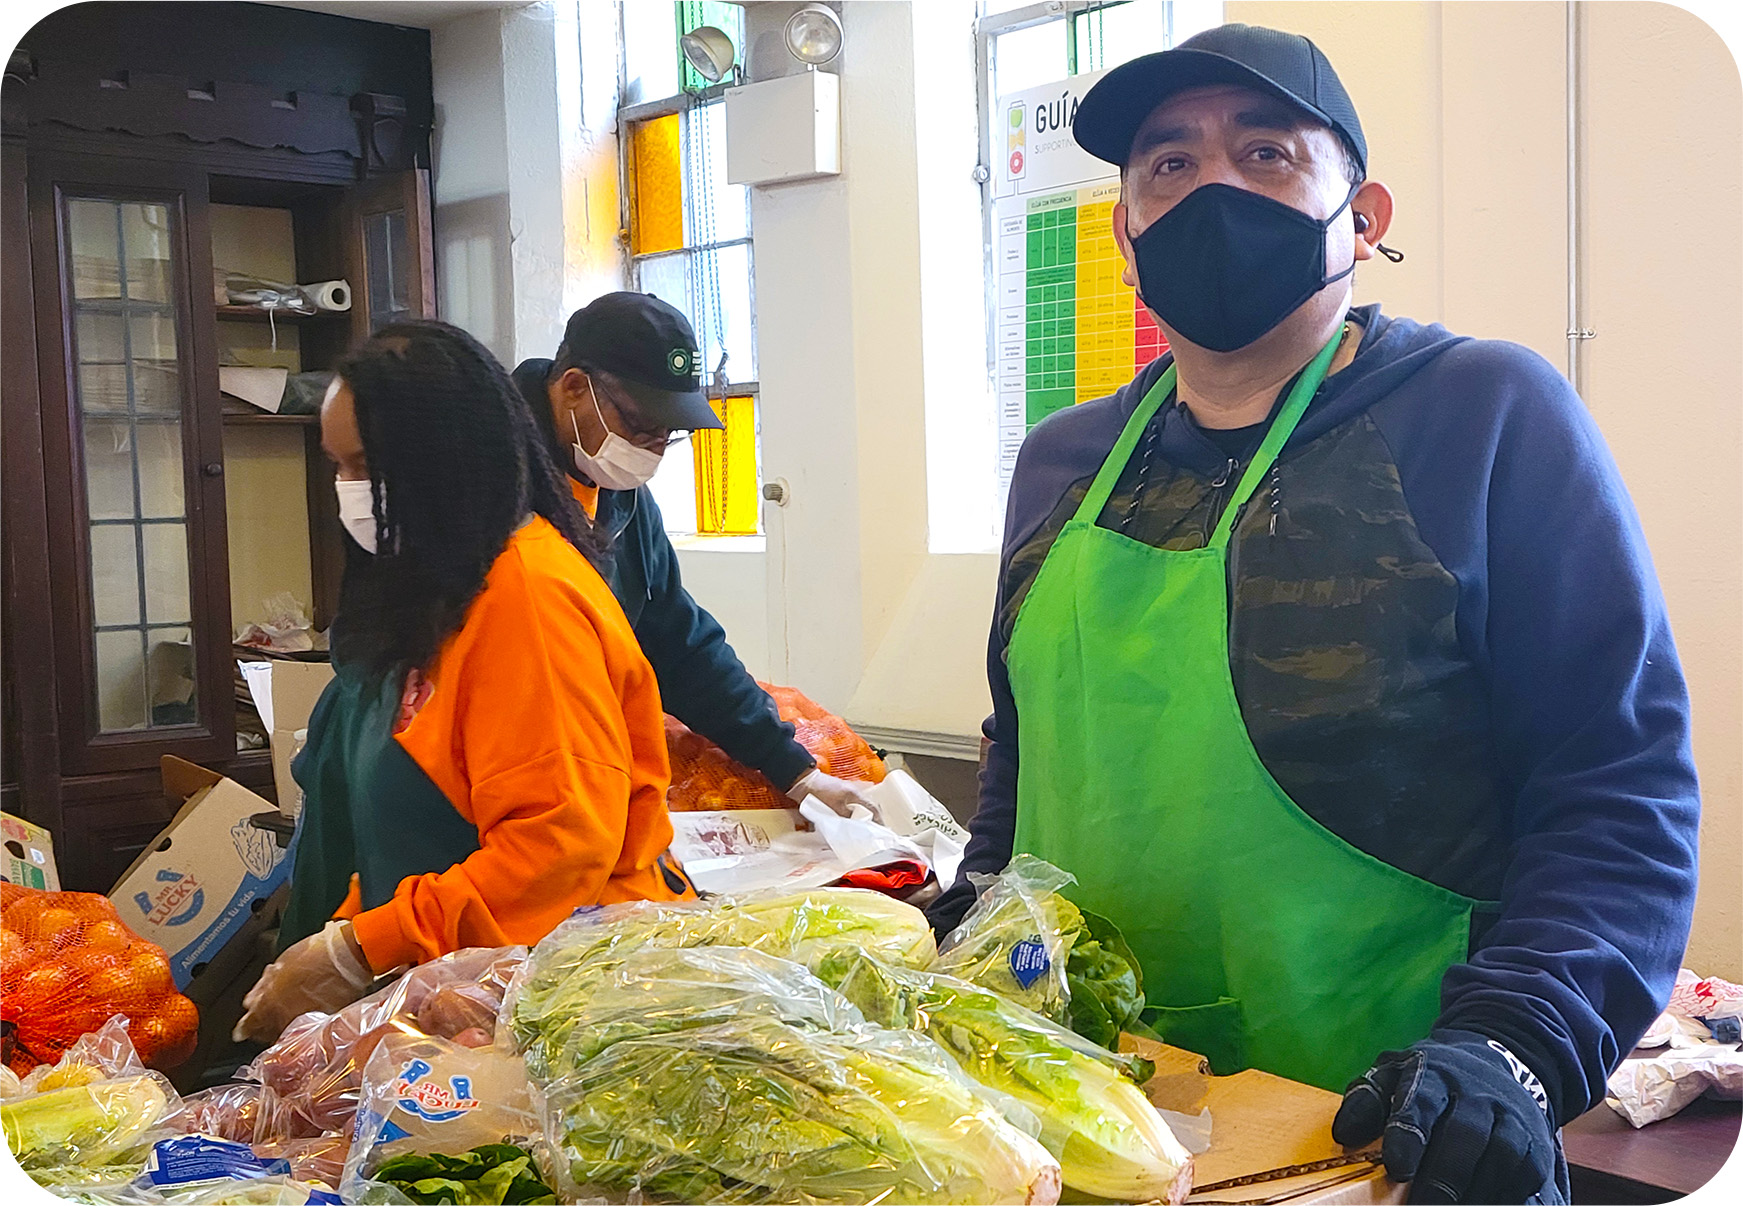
68 963
704 778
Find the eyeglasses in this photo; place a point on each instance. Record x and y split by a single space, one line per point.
640 437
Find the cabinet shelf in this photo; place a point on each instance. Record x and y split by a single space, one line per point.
260 314
261 418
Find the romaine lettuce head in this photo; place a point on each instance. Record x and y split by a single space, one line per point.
795 925
1109 1139
1106 982
757 1110
659 991
1017 937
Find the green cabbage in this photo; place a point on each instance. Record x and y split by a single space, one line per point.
1108 1138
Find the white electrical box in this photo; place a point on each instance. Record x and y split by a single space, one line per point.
784 129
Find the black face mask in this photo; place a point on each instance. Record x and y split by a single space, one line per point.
1226 265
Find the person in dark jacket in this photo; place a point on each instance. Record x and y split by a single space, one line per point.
1329 656
626 377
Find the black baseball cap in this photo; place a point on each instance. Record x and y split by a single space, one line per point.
650 348
1284 65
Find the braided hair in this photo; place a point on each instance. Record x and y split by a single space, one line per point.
458 462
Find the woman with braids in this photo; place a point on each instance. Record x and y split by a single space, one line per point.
490 754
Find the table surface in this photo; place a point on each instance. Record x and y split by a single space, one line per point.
1680 1153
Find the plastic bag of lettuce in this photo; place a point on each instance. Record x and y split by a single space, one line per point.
1028 943
725 1074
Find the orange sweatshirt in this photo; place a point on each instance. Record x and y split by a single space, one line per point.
541 723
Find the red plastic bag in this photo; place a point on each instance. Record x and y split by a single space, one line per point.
68 963
705 778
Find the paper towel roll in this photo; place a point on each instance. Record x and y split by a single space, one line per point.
329 295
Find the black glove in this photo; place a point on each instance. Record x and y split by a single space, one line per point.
1463 1120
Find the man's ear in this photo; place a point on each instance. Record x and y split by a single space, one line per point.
1372 201
1129 268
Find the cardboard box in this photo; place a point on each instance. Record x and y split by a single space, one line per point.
29 855
195 887
285 693
1260 1122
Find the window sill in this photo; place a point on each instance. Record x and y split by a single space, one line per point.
691 542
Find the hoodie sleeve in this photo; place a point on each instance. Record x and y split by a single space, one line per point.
701 679
1590 714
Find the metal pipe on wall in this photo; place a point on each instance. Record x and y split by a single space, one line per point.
1577 331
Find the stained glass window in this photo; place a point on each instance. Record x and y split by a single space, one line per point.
690 245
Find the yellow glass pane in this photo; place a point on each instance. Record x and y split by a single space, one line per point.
727 486
657 186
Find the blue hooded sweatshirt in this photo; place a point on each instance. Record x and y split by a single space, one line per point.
1450 649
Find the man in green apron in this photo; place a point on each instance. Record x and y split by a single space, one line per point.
1337 666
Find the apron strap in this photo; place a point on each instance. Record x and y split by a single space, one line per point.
1102 488
1288 418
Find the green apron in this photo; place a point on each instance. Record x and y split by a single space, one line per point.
368 808
1266 940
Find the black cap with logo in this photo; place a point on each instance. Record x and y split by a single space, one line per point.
1284 65
650 348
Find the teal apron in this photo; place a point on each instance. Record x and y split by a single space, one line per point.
368 808
1266 940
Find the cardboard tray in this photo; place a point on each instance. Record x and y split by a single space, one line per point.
1259 1122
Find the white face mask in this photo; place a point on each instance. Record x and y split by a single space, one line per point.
619 464
357 510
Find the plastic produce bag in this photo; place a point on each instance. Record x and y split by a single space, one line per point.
1109 1139
726 1074
224 1112
661 991
424 1096
314 1072
68 963
1027 942
94 1133
788 924
104 1054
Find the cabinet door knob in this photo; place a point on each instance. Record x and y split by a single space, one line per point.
213 468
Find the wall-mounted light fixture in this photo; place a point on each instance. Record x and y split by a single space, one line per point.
813 35
710 51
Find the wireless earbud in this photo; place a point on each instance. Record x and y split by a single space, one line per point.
1361 223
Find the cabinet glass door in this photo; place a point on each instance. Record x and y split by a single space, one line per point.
129 387
391 250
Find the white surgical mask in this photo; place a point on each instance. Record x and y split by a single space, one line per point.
357 510
619 464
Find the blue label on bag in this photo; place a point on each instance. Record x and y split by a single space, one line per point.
187 1158
1029 960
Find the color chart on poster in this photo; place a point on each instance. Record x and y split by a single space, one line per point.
1068 329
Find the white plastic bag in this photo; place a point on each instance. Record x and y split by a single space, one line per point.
1646 1090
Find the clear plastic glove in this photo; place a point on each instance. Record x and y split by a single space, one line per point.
840 794
322 973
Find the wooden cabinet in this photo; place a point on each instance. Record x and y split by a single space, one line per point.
146 512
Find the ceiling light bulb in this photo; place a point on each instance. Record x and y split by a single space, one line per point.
814 35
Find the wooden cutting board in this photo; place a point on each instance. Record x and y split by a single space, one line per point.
1258 1122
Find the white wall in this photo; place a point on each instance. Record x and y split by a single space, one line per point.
525 179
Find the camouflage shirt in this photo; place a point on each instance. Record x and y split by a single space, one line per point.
1450 649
